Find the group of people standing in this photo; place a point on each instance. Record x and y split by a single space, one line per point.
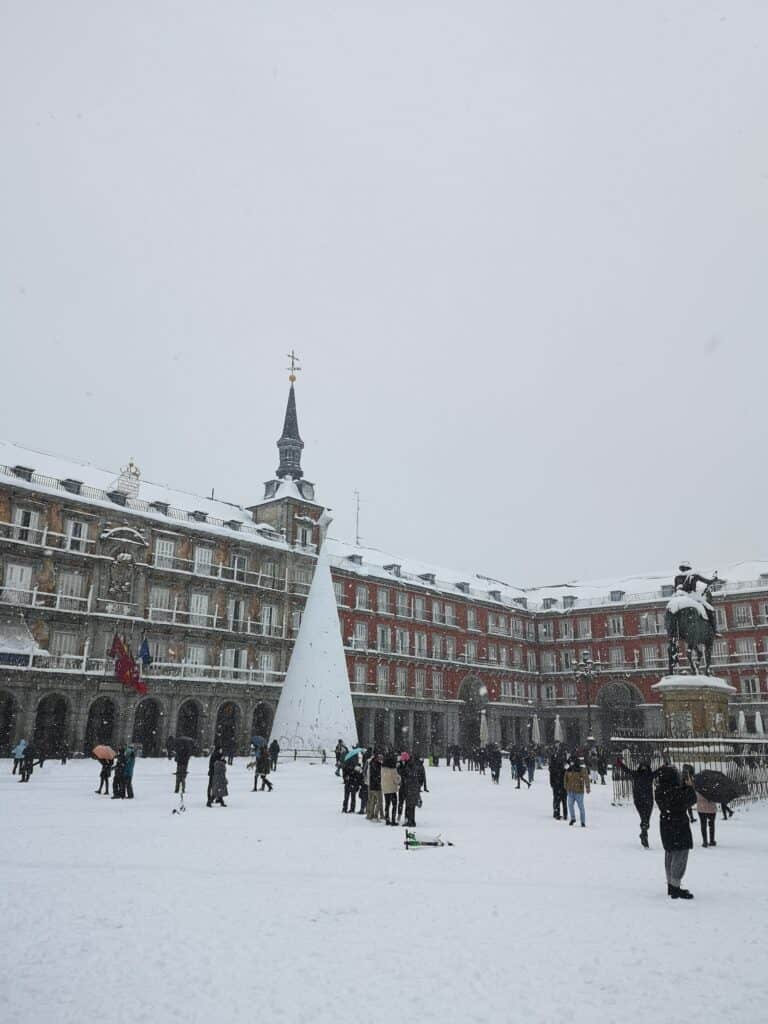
388 785
122 765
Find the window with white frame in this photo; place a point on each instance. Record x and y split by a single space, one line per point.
531 658
437 647
158 650
419 608
566 629
238 564
548 661
566 661
267 663
17 583
517 627
517 657
530 630
233 660
296 616
746 649
584 627
507 688
338 589
402 641
382 678
403 604
65 645
203 560
720 617
384 638
450 614
197 658
420 644
569 691
301 577
160 604
382 601
504 656
450 648
360 637
401 680
269 620
268 574
237 614
614 625
437 611
420 682
493 652
649 655
616 657
361 673
69 590
750 686
470 650
437 685
720 651
198 608
75 534
763 613
361 598
26 525
471 618
545 631
742 615
548 692
519 689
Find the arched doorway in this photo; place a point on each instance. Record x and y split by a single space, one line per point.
146 727
188 721
618 711
227 726
474 697
50 724
100 727
262 720
7 720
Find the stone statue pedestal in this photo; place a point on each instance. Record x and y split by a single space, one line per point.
694 705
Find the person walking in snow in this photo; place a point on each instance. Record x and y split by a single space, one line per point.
410 775
64 752
557 783
218 754
494 763
390 786
27 763
118 782
642 793
263 767
104 775
375 810
707 814
218 785
602 765
352 778
18 756
130 763
274 750
520 768
182 766
576 785
340 752
674 795
530 764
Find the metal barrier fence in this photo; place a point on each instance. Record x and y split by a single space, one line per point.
743 760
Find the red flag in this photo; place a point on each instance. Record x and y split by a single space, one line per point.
117 650
126 669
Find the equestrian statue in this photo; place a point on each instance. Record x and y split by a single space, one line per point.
691 617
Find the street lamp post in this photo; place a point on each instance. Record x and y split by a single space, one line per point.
586 672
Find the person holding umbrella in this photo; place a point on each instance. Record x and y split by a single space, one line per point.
674 795
106 757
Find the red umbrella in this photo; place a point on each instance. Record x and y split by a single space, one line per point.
104 753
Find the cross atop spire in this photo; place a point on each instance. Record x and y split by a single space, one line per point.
294 367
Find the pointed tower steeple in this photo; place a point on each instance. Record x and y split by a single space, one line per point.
290 444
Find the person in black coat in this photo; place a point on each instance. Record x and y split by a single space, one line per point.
642 793
182 764
274 750
352 777
674 795
104 775
412 786
217 755
494 763
520 765
118 782
557 782
263 768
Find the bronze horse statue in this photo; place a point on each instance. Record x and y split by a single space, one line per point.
689 625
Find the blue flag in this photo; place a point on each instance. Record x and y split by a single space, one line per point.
144 655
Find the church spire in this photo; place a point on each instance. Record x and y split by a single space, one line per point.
290 444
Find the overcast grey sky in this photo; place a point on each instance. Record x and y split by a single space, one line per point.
521 248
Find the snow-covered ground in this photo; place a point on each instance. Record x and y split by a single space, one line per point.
280 908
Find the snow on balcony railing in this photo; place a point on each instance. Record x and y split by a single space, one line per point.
45 538
215 570
37 598
214 620
158 670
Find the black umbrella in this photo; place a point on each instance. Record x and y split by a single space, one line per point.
717 787
184 745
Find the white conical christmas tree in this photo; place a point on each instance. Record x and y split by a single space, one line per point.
315 707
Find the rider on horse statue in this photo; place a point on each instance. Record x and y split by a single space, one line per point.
687 580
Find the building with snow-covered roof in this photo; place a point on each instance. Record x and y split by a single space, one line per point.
212 592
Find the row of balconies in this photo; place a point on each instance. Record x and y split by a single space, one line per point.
84 665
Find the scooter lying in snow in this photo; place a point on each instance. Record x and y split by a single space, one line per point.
415 840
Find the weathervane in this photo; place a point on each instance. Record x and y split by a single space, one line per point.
294 367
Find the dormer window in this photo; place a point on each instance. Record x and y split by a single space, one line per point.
548 602
569 601
667 590
617 595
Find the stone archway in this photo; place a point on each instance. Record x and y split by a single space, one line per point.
227 728
7 720
474 697
146 727
618 710
188 721
101 724
50 731
261 723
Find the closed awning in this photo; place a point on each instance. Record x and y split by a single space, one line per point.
17 645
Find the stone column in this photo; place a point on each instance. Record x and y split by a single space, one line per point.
390 729
411 728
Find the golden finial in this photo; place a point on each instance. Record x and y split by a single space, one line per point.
294 367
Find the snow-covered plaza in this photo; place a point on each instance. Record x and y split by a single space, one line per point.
278 907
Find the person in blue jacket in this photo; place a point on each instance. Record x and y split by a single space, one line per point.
18 755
